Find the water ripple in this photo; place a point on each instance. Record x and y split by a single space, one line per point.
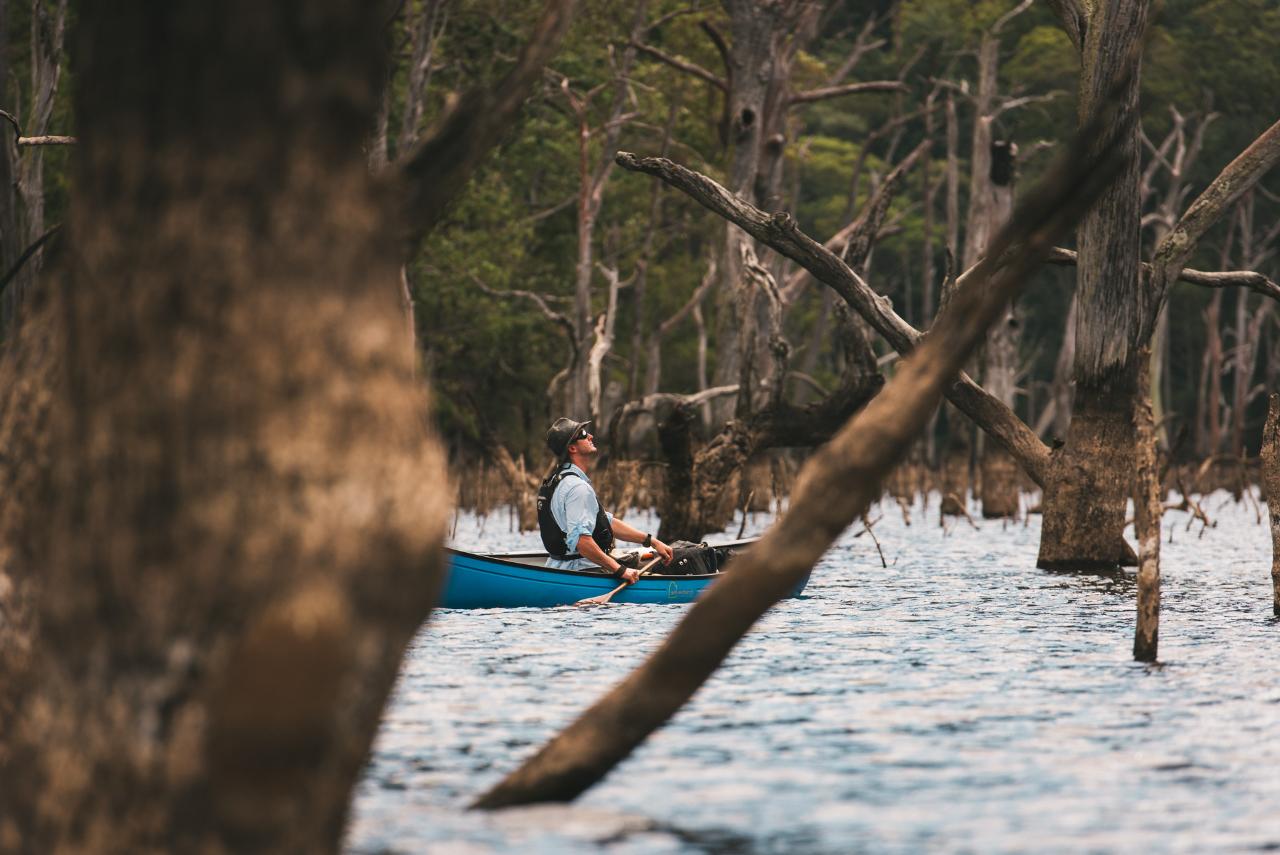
959 700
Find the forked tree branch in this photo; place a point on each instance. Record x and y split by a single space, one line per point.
865 228
44 139
1255 282
781 234
681 64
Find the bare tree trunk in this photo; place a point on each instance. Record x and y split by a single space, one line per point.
1148 510
953 177
1059 409
754 29
592 181
10 240
999 483
1213 356
1271 490
48 27
1084 501
603 332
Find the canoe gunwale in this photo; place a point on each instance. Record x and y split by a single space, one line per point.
505 558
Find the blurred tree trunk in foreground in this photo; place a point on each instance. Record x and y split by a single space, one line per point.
222 515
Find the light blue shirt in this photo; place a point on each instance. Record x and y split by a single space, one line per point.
574 507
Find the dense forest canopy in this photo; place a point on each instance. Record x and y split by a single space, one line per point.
493 358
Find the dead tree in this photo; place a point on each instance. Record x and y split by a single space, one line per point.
764 38
1084 500
219 401
834 488
1176 154
1148 511
992 167
1271 490
708 504
1256 247
24 151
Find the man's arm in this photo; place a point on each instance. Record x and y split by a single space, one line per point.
589 549
630 533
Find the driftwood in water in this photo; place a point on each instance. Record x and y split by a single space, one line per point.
837 485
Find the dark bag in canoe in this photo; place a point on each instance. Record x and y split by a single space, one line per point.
692 559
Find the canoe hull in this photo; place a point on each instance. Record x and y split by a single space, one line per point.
493 582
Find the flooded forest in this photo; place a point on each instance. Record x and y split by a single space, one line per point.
953 324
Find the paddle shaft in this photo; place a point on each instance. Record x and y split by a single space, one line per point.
604 598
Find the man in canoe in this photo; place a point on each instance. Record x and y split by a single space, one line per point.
576 531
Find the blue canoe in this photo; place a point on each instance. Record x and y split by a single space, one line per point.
520 580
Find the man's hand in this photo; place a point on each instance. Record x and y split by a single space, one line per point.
663 550
629 574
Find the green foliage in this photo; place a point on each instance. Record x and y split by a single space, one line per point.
491 359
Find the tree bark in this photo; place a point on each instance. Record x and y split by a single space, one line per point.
1148 511
10 242
1084 500
999 482
219 403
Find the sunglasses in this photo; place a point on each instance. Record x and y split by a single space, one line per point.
582 434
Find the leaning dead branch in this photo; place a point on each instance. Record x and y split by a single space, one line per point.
835 487
780 232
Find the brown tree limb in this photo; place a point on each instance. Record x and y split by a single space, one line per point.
1255 282
780 233
45 140
836 486
435 173
865 228
826 92
681 64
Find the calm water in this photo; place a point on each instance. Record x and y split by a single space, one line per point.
960 700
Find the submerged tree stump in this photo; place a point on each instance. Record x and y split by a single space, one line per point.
1271 490
1148 510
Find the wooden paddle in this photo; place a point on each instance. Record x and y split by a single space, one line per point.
604 598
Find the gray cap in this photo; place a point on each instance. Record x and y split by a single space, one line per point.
564 432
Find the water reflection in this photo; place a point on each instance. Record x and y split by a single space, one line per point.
959 699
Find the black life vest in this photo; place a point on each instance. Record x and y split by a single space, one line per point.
553 537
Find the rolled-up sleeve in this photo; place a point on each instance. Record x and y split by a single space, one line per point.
577 512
